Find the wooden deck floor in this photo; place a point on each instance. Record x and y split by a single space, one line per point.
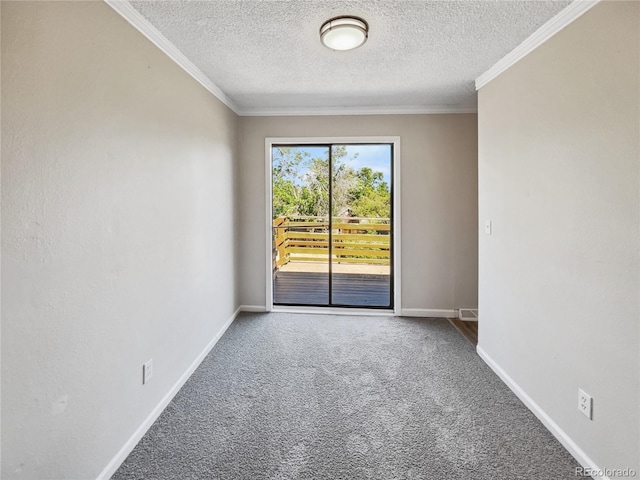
312 288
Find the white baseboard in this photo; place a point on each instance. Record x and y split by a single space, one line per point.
428 312
546 420
130 444
253 308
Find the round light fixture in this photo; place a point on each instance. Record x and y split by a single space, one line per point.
344 33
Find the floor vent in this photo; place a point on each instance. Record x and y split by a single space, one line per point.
468 314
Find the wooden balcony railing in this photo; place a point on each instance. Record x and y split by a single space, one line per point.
354 240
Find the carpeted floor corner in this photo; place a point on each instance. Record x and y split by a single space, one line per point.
291 396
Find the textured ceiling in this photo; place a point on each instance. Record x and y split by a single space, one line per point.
267 54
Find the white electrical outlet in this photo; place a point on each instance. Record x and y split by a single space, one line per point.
585 404
147 371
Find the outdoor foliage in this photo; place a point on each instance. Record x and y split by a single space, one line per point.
301 185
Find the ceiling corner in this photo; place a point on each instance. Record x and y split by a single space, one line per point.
131 15
537 38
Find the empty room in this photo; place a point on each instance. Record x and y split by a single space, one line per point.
311 239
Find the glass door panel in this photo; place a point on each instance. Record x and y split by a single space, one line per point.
300 216
361 233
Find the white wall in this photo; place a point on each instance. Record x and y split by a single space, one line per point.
118 245
558 176
439 200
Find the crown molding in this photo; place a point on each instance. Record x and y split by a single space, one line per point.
321 111
131 15
537 38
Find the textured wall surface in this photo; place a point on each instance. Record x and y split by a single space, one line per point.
118 204
438 193
558 176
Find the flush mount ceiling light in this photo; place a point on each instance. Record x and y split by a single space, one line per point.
344 33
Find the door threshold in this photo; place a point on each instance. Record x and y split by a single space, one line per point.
335 310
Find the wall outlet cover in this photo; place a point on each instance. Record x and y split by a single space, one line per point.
585 404
147 371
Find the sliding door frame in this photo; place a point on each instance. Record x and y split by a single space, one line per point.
396 211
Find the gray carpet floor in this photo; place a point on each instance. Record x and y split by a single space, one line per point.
289 396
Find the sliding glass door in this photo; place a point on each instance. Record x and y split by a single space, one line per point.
332 225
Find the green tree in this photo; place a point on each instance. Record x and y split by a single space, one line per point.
370 195
285 178
301 185
285 195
